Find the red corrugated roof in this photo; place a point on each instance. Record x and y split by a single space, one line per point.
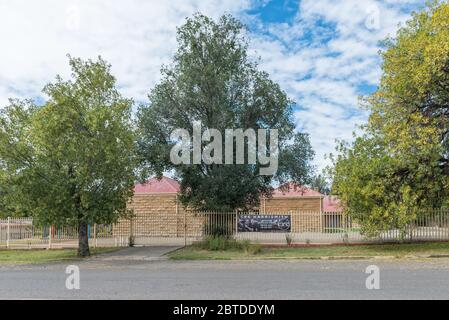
292 190
165 185
331 204
168 185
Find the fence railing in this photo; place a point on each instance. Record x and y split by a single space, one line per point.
24 233
187 227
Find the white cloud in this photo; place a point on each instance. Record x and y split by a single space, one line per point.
325 56
135 36
321 65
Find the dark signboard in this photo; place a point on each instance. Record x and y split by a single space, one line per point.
264 223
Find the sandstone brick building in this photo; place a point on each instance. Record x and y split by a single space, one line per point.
158 212
292 198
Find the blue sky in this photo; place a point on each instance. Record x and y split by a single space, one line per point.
323 53
276 11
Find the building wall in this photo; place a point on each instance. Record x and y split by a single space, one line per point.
305 212
153 214
286 205
160 215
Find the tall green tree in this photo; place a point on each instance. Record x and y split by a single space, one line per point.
400 164
70 161
320 183
212 80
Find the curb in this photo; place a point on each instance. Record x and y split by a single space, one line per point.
326 258
433 256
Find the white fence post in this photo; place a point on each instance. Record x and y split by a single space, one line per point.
185 224
49 236
8 232
236 224
95 235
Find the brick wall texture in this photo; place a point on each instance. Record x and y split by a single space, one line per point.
161 215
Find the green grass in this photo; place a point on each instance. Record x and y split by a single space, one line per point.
195 252
17 257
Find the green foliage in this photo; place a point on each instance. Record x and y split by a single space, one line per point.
218 230
70 161
402 251
220 243
212 80
320 183
401 162
252 249
39 256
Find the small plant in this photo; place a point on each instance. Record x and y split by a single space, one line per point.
245 244
225 243
249 248
307 241
218 243
288 239
217 230
253 249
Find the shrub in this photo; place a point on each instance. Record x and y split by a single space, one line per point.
245 245
225 243
219 225
217 231
252 249
217 243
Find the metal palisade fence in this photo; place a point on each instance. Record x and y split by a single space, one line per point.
190 226
23 233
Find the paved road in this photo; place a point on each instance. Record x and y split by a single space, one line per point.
140 273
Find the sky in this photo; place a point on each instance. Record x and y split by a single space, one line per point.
323 53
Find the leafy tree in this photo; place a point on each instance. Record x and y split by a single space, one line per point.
4 211
212 80
320 184
70 161
400 164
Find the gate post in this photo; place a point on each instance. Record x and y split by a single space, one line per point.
95 235
297 221
185 227
321 222
50 236
131 232
7 232
236 224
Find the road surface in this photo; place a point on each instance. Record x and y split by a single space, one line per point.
141 273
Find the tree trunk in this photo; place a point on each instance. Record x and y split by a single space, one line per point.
83 239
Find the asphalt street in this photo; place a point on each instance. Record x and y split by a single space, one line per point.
143 273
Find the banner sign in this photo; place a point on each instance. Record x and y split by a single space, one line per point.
264 223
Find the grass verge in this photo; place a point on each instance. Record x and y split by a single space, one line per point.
18 257
199 252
